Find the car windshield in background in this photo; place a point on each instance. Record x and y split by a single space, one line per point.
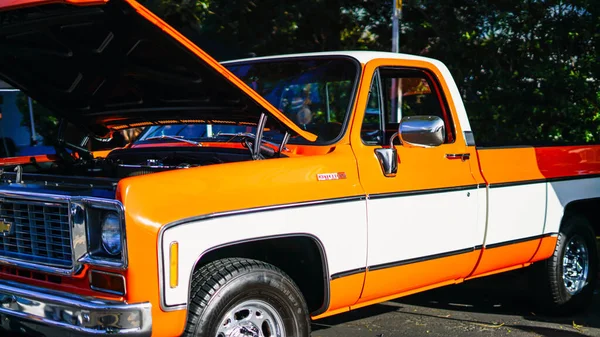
191 133
316 94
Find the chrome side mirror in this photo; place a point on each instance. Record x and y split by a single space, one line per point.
425 131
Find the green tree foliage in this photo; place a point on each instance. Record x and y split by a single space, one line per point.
528 70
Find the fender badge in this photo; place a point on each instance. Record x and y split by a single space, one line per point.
331 176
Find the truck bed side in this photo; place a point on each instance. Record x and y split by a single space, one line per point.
529 189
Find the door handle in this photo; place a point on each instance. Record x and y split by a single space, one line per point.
461 156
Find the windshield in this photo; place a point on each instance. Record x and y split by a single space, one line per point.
316 94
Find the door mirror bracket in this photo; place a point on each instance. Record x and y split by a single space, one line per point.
388 158
423 131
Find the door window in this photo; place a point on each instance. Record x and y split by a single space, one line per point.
402 93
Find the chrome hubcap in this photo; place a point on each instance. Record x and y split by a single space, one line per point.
575 265
253 318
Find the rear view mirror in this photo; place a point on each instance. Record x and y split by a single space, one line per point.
425 131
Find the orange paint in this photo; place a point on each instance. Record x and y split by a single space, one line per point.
148 15
152 201
498 271
396 280
498 165
27 159
546 248
413 161
405 293
505 256
345 291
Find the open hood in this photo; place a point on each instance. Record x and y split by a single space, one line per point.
109 65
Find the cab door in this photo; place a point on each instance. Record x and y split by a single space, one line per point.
423 220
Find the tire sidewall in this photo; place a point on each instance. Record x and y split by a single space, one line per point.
576 226
264 285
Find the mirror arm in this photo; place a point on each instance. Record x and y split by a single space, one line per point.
286 138
396 134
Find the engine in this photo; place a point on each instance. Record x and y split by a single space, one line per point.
123 163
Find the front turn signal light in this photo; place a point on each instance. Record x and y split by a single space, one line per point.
174 264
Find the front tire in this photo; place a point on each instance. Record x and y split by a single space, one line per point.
567 279
243 297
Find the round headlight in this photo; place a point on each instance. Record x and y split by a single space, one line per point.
111 234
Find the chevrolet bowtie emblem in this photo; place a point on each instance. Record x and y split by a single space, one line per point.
5 228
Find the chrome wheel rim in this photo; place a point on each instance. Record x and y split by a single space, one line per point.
253 318
576 265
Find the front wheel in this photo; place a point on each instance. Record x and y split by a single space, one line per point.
566 281
242 297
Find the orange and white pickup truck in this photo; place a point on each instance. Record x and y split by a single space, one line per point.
262 193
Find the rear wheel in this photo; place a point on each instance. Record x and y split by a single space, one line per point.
567 279
242 297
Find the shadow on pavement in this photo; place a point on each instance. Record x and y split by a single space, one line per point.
504 294
547 332
503 297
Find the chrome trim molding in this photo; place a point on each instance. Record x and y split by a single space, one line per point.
78 231
65 312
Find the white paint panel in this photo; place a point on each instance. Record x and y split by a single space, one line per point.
341 228
407 227
561 193
516 212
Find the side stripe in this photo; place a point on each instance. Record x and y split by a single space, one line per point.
348 273
423 192
437 256
545 180
512 242
420 259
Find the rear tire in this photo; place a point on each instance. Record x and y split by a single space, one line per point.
243 297
565 282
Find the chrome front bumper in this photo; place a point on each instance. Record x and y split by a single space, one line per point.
24 308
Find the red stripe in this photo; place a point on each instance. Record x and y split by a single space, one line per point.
564 161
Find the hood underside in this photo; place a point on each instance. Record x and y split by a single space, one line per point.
116 65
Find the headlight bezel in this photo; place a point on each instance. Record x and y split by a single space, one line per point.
95 254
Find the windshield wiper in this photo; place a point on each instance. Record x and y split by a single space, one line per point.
178 138
257 148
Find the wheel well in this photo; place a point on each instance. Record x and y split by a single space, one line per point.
588 208
301 257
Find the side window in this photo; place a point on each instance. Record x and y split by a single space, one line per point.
411 92
371 130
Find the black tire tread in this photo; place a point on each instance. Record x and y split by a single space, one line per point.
549 280
208 279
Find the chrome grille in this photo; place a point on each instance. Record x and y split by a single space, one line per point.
39 232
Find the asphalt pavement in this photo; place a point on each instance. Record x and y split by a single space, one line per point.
493 306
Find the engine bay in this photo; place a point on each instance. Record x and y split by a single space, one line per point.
75 167
100 176
123 163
